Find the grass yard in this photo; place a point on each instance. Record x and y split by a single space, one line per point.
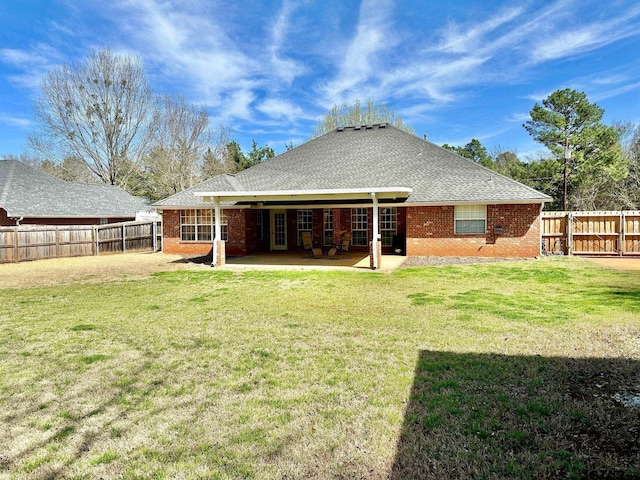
521 370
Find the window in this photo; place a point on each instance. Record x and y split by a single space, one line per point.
260 224
305 222
388 225
359 226
327 216
470 219
198 225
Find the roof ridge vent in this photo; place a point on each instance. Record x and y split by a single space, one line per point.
382 125
357 127
340 129
369 127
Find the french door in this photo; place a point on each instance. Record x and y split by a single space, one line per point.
278 229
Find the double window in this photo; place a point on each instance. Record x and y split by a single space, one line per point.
198 225
470 219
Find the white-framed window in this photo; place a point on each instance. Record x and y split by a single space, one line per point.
359 226
388 225
260 224
470 219
305 221
327 216
197 225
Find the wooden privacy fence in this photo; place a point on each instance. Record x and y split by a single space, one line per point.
591 233
37 242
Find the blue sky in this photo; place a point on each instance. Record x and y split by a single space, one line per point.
455 70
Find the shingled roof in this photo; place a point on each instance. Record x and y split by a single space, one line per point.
28 192
375 156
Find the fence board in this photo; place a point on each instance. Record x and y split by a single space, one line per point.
591 233
36 242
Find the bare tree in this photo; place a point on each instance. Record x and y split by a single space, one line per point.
181 136
96 110
347 115
213 160
71 169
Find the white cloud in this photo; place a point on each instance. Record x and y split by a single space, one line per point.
458 39
277 108
572 40
14 121
30 65
360 61
285 69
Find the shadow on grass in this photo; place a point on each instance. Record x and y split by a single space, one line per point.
494 416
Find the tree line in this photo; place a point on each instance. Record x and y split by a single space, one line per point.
99 121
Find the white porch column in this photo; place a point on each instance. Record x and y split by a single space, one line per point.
217 236
374 240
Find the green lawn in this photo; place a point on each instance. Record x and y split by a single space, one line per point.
507 370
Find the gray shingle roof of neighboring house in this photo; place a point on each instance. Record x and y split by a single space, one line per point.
374 156
28 192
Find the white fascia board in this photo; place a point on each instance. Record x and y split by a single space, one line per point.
328 194
444 203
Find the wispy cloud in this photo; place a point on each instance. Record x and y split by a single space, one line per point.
278 109
30 65
575 39
360 61
285 69
457 40
14 121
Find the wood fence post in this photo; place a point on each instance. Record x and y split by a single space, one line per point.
16 245
621 242
124 238
569 233
57 242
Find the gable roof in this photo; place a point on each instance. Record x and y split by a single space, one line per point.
368 157
29 192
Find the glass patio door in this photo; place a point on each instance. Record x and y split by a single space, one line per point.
278 229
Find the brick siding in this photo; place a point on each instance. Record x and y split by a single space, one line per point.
242 228
430 231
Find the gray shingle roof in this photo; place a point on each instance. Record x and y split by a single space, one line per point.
369 157
28 192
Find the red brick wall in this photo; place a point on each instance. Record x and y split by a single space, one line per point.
241 241
430 231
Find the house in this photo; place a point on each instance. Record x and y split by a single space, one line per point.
379 183
31 196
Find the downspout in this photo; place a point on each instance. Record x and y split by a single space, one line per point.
18 220
374 240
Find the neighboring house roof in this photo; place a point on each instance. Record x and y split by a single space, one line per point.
375 156
29 192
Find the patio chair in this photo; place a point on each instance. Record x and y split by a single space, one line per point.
344 249
308 247
307 243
